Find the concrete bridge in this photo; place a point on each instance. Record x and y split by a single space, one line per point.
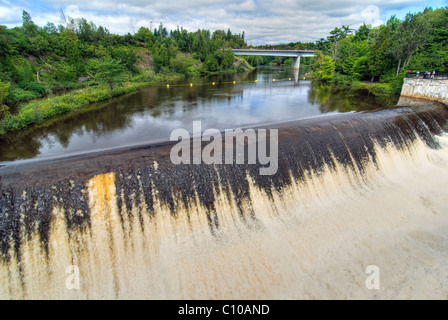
295 54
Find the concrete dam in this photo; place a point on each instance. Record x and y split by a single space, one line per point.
351 190
429 89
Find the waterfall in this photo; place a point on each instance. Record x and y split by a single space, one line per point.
351 191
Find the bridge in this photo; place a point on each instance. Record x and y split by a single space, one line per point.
295 54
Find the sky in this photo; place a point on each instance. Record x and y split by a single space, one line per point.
263 21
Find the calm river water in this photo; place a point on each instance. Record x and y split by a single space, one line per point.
149 115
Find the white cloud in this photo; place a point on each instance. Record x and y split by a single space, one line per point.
248 5
371 15
73 11
9 14
264 21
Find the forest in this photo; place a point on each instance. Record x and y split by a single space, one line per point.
51 61
384 54
379 56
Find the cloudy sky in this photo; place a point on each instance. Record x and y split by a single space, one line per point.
264 21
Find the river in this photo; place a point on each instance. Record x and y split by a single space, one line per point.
152 113
358 208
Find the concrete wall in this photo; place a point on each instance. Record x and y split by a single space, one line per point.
436 90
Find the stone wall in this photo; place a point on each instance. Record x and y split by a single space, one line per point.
436 90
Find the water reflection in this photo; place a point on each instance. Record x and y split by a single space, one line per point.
333 100
150 114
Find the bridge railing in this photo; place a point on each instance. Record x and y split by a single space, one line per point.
421 75
273 49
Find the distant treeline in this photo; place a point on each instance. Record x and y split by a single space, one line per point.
39 61
385 53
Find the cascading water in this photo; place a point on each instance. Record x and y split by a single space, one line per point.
351 191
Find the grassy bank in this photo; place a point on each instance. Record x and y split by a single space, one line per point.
343 82
38 111
41 111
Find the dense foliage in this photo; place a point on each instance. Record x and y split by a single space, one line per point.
418 43
41 61
382 54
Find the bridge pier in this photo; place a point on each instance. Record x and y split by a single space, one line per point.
295 69
295 54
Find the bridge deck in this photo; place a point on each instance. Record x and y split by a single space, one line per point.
277 53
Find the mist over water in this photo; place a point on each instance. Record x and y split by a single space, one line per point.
352 190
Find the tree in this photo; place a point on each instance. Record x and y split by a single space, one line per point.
85 30
434 55
324 67
5 46
127 56
360 67
72 50
28 25
337 34
380 62
180 64
211 63
50 28
4 92
328 66
227 59
108 70
411 34
362 33
144 35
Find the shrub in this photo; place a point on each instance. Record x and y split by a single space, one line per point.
32 86
381 88
19 94
147 76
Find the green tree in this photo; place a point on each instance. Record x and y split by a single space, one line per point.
109 71
50 28
28 25
4 92
72 51
434 55
362 33
144 35
328 66
411 34
127 56
227 59
380 61
337 34
180 64
360 67
323 67
211 63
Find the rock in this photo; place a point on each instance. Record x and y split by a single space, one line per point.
84 78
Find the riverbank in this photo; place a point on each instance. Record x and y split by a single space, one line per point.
149 114
342 82
39 111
